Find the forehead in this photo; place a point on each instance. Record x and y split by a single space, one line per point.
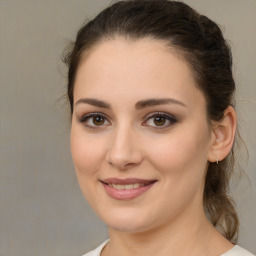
130 68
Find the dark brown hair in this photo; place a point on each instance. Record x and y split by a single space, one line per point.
199 41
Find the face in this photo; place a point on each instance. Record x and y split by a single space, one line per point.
139 136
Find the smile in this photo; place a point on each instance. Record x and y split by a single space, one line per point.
126 189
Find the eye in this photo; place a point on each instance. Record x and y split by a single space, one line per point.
94 120
159 120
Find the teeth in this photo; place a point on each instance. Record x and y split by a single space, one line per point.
130 186
126 187
120 187
137 185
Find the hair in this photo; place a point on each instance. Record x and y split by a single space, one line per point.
197 40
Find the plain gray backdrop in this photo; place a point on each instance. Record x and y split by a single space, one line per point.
42 212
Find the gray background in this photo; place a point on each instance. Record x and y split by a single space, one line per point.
42 211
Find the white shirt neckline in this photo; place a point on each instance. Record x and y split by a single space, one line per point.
234 251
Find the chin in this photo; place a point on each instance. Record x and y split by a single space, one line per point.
129 222
128 227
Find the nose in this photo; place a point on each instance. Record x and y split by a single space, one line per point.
124 151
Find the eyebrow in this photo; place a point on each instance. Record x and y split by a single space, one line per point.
154 102
139 105
94 102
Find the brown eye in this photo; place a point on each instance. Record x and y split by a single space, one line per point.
98 120
159 120
94 120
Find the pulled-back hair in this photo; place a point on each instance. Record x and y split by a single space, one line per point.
199 41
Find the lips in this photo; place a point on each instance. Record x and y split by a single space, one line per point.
125 189
127 186
127 181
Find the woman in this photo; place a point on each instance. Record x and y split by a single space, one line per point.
151 92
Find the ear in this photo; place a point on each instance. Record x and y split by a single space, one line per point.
223 134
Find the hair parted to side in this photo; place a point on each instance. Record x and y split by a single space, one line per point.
199 41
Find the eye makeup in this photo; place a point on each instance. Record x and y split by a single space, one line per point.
94 120
159 120
154 120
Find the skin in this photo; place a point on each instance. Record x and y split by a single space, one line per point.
127 143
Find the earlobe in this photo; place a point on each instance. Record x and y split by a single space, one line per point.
223 136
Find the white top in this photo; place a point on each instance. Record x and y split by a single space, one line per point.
235 251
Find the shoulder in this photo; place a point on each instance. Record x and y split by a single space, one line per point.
97 251
237 251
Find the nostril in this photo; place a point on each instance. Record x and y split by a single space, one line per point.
123 157
121 164
109 162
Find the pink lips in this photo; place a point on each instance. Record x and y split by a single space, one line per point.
126 189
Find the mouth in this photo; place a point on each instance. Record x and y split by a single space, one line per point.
126 189
128 186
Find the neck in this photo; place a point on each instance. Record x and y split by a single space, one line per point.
178 237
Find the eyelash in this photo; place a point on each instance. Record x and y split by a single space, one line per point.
84 119
166 118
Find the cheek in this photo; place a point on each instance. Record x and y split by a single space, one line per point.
85 152
182 162
181 153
